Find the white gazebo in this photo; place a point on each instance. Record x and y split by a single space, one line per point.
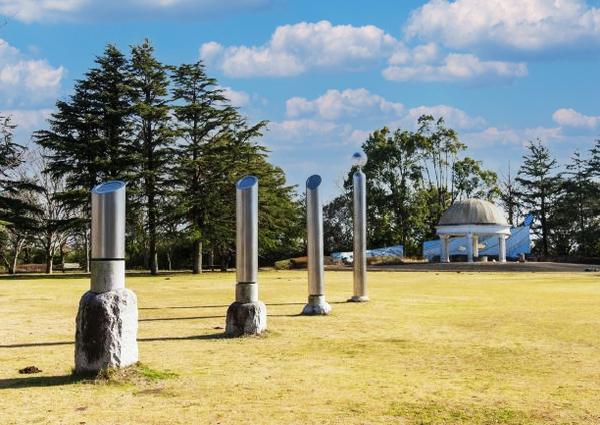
472 218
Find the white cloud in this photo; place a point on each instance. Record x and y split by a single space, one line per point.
524 25
494 136
294 49
455 67
93 10
354 105
24 80
28 120
571 118
301 130
299 48
237 98
348 103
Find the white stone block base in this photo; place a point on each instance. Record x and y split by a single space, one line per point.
316 306
106 331
246 318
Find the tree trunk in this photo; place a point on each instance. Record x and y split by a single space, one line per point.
211 259
87 250
153 261
197 261
49 261
169 265
62 257
152 234
224 261
12 269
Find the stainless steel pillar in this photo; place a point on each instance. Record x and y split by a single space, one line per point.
247 315
107 319
108 237
445 252
502 248
314 226
247 239
360 230
470 247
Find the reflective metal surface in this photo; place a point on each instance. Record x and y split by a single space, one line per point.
360 234
469 247
247 229
314 227
108 220
502 249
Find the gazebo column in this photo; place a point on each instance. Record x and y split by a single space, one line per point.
470 247
445 252
502 248
476 246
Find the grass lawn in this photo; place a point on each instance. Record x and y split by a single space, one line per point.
430 348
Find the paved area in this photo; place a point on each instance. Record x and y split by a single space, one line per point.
482 267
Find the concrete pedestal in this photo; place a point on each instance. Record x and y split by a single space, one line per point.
359 299
246 318
316 306
106 330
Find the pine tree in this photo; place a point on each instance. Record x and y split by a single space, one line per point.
539 187
154 137
88 136
203 116
16 207
576 201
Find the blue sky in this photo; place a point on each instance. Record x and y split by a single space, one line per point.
325 74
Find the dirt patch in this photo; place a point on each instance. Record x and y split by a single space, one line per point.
29 370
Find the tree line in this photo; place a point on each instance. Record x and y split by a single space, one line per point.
414 176
174 137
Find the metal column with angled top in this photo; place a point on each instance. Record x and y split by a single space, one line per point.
247 315
314 226
106 325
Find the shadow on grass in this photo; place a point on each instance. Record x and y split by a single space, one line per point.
167 338
220 335
37 344
159 319
40 381
225 306
183 306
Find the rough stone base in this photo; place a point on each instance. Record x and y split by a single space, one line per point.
316 306
106 331
359 299
246 318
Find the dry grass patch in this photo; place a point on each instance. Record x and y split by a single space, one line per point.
430 348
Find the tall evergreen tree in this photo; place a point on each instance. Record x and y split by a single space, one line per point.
203 116
16 207
575 203
539 187
87 140
154 137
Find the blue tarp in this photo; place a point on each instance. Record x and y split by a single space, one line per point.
518 243
391 251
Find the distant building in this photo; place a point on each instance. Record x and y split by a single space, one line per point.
472 219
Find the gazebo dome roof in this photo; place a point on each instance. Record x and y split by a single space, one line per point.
473 211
